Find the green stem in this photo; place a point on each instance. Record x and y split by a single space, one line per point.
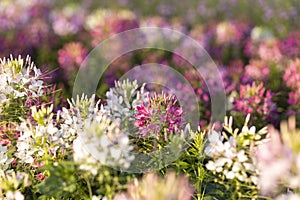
89 186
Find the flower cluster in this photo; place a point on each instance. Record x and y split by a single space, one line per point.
230 156
11 183
227 32
256 100
161 113
101 140
257 70
153 187
39 138
5 161
54 148
67 21
292 78
110 23
71 56
123 99
86 127
20 81
279 162
290 45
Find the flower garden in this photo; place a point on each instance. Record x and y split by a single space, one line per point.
134 137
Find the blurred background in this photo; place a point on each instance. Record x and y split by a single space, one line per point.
248 40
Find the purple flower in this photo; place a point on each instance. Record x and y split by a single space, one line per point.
290 46
68 22
40 9
294 102
35 34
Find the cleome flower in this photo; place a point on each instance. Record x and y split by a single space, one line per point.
232 157
46 134
98 139
102 142
10 182
256 100
17 74
71 56
110 23
38 138
279 162
228 32
153 187
160 113
20 81
123 99
85 127
5 160
290 45
291 78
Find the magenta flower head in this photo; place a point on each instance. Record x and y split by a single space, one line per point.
290 46
160 114
256 100
292 80
292 75
71 56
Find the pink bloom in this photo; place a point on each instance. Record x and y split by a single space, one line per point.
8 134
41 176
152 187
231 32
274 161
256 100
292 75
269 51
159 114
110 26
292 80
71 56
257 70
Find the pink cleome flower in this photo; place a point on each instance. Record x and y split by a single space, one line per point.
256 100
292 80
160 113
71 56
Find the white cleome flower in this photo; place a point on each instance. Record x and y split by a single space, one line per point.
16 195
231 156
19 79
105 142
123 99
5 161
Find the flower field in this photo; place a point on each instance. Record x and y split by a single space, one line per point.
128 101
